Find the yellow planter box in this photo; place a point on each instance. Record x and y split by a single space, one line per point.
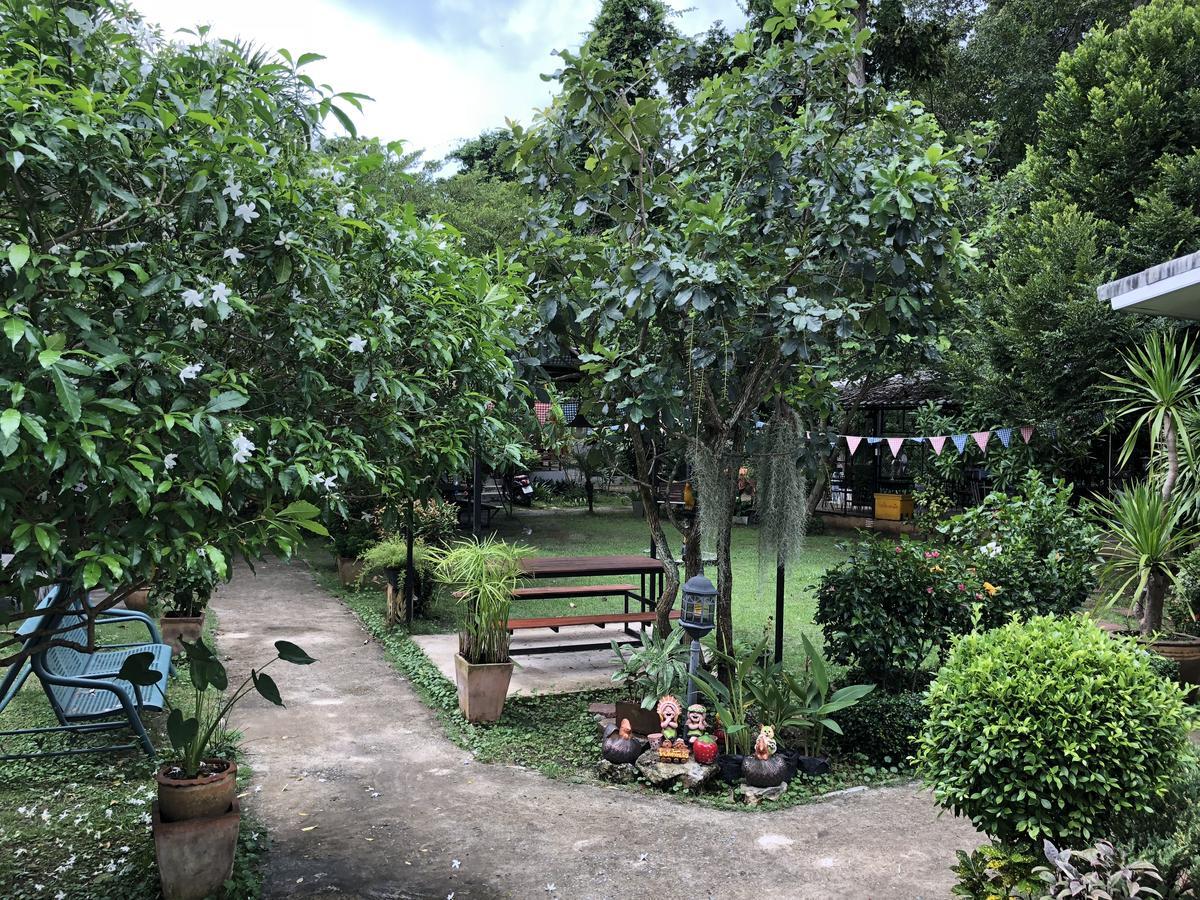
893 507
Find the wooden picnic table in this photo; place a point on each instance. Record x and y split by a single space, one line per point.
648 569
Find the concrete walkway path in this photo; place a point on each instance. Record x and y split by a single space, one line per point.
364 797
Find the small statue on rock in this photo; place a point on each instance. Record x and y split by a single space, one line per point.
621 746
764 769
697 722
668 716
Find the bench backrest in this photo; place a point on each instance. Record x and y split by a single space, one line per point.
27 633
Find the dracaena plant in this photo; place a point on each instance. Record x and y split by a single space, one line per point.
195 727
656 668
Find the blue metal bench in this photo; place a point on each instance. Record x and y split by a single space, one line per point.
82 687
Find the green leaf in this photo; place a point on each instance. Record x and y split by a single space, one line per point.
283 269
14 329
343 119
227 400
68 396
181 731
10 421
136 670
289 652
18 255
306 58
265 686
47 358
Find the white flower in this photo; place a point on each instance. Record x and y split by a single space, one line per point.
329 482
234 255
338 177
193 299
220 293
286 239
198 325
991 548
169 461
145 69
345 208
356 344
233 190
246 212
242 448
187 373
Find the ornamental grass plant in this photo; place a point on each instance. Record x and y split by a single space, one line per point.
482 574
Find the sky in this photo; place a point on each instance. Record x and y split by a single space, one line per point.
440 71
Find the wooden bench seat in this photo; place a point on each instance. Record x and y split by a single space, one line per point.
556 622
567 591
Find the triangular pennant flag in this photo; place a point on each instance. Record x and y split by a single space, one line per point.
874 440
1005 435
1026 433
852 441
960 441
981 438
937 443
542 411
895 443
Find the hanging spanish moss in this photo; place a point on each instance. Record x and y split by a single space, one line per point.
714 476
782 493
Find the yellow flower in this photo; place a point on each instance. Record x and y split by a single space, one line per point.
992 589
936 569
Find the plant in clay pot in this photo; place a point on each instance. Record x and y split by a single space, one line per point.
390 556
655 669
196 816
180 601
483 575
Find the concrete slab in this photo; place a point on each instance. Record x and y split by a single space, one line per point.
540 673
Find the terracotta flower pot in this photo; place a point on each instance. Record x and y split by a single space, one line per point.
482 688
195 857
138 601
203 797
1185 651
176 629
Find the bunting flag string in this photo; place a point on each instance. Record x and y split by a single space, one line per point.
852 441
960 441
895 443
1005 435
937 443
981 439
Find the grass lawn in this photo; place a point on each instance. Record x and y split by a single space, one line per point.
573 532
79 826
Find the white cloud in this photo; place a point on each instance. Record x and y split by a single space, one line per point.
429 90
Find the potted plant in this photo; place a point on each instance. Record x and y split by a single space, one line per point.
180 601
731 704
390 556
1149 536
196 816
817 708
483 575
656 668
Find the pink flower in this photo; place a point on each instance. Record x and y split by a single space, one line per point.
929 590
962 587
898 548
936 554
979 596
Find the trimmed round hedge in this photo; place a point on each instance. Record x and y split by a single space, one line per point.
1050 729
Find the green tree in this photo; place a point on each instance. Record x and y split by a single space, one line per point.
208 326
720 252
626 33
484 155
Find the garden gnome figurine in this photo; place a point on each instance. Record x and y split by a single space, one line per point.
621 746
764 769
668 716
697 722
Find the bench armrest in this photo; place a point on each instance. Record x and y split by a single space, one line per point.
93 682
120 616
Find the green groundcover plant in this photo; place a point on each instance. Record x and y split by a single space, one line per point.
1051 729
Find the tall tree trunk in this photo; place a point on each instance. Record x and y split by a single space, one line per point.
1156 593
858 75
665 602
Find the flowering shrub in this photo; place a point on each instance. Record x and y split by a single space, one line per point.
1036 553
208 324
1050 729
435 522
891 608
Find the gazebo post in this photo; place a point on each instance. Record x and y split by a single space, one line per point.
779 573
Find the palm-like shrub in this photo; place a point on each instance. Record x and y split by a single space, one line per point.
483 575
1050 729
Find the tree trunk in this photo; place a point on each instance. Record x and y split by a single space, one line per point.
665 602
1171 441
858 75
1156 592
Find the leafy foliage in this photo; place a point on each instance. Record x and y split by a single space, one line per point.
1033 547
656 668
207 324
994 871
1050 729
1098 873
883 726
890 609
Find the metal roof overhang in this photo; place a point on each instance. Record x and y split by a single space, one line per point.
1169 289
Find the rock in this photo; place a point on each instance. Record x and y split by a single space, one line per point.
621 773
691 774
752 796
696 775
603 710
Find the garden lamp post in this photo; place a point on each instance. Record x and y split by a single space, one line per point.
698 618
